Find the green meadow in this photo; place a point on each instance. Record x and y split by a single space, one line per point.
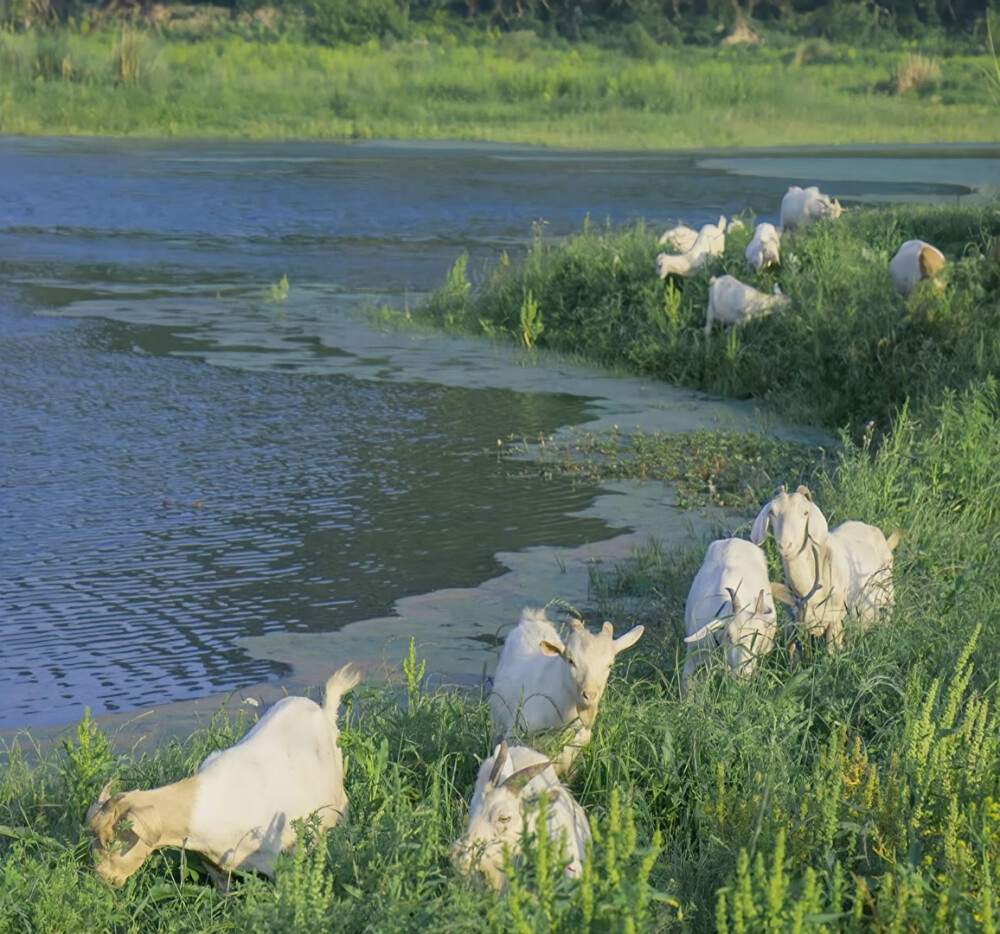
853 792
511 87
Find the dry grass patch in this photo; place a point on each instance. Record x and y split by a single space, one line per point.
916 71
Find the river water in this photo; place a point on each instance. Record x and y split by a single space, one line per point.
189 469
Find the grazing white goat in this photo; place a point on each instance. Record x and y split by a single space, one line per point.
542 683
829 572
801 206
732 302
681 237
505 806
915 260
237 809
765 247
714 613
711 241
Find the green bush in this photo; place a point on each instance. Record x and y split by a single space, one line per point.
356 21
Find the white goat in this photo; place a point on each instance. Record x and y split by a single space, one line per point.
714 608
732 302
801 206
829 572
711 241
505 807
237 809
542 683
915 260
765 247
681 238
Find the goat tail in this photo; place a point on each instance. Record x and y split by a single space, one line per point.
337 685
893 540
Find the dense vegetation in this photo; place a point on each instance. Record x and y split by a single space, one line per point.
852 350
856 792
337 69
635 23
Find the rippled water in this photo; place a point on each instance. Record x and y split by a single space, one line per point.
155 507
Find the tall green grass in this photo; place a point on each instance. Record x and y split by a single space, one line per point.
848 350
857 792
506 88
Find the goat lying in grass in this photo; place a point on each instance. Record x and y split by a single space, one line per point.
711 241
237 809
765 248
915 260
714 613
681 238
829 572
542 683
732 302
801 206
505 806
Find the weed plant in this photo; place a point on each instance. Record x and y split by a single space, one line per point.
721 468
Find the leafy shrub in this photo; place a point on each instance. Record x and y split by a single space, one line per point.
355 21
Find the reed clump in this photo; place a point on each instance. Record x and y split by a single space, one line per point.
917 71
129 55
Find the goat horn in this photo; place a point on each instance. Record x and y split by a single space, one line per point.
804 490
106 791
576 624
102 798
737 606
519 779
498 763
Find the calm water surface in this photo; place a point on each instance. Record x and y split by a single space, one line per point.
155 507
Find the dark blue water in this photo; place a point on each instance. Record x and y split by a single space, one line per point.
184 462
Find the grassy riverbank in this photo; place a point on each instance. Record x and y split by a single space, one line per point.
513 88
861 792
849 350
858 792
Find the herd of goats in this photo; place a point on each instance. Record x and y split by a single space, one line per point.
732 302
239 810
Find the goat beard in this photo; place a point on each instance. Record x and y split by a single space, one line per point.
586 715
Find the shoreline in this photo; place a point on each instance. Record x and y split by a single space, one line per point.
473 617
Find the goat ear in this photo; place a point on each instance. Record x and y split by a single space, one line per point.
816 526
782 593
145 824
520 778
759 531
608 629
552 648
705 630
629 639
